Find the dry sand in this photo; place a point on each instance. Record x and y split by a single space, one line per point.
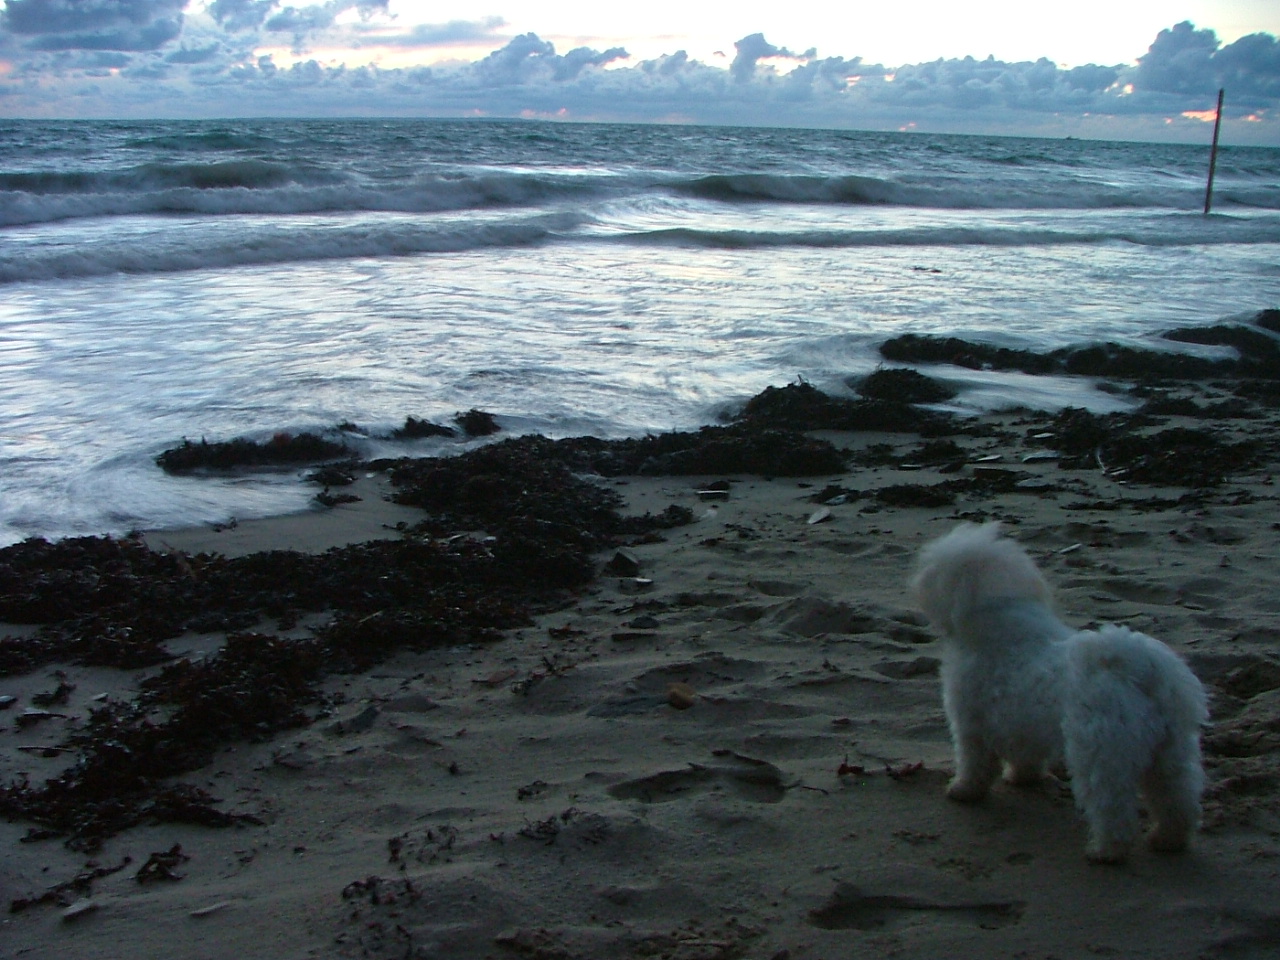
548 796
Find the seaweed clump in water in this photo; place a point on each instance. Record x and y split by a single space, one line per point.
477 423
414 428
888 404
282 449
1258 354
904 385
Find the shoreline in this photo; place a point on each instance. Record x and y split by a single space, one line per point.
734 748
95 495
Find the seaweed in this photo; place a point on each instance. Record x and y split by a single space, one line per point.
923 348
1179 456
736 448
477 423
414 428
802 406
766 452
80 885
904 385
281 450
510 529
1258 354
917 495
114 601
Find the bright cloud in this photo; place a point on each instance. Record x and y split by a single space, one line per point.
144 58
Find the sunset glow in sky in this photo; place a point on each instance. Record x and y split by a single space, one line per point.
1096 31
1146 68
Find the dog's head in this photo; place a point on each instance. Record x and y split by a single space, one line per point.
972 567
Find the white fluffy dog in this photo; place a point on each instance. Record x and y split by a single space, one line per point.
1021 687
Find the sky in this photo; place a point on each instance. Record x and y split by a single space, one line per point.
1140 69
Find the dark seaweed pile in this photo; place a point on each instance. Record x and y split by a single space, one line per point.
1178 456
904 385
746 447
768 437
282 449
887 404
415 428
115 602
287 449
1258 354
129 751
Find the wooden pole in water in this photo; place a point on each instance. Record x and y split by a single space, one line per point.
1213 154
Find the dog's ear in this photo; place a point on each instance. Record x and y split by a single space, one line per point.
936 590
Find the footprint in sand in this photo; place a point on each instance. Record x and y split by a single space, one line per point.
851 908
875 547
917 668
755 780
1137 591
1100 535
778 588
810 616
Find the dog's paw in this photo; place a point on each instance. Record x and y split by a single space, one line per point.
966 791
1107 851
1167 841
1025 776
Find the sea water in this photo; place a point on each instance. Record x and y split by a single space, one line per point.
215 279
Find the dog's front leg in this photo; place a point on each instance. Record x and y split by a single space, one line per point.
977 767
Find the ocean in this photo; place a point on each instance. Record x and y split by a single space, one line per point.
215 279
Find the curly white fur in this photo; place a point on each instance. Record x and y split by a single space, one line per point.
1022 689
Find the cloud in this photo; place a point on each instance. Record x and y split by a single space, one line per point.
123 25
207 61
1180 61
98 62
751 49
185 55
1250 66
1091 78
967 84
301 21
578 59
667 65
445 34
522 60
242 14
1187 61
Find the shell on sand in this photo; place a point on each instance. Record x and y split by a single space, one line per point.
681 696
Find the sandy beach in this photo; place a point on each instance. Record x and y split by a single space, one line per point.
734 749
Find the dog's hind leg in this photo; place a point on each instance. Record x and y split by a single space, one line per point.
1105 777
1172 788
1024 774
1110 807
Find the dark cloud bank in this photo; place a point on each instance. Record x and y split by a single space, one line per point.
169 58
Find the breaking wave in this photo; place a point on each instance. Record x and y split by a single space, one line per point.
241 186
270 244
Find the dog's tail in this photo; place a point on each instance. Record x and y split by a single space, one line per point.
970 567
1114 661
